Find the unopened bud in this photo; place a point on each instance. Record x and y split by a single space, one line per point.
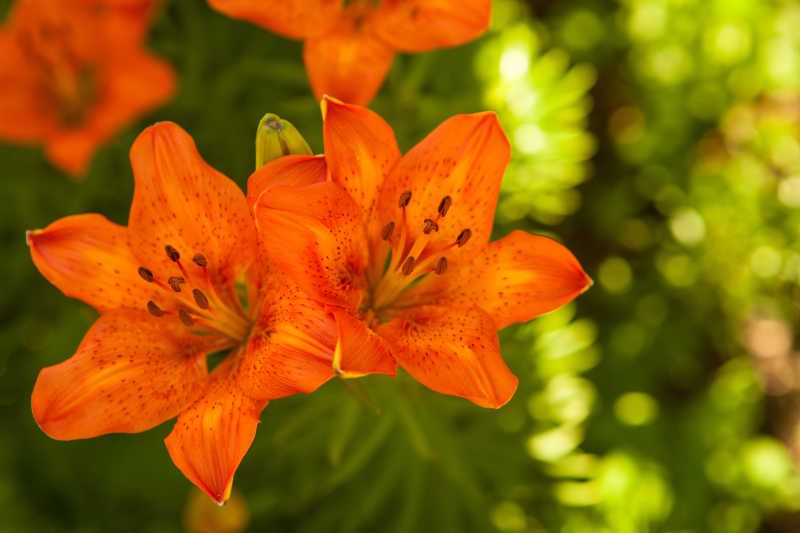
277 137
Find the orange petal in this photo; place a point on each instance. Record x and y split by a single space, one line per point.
71 151
316 234
463 158
296 19
348 64
23 115
454 351
130 373
134 84
291 348
290 170
181 201
515 279
420 25
88 258
211 437
359 350
360 149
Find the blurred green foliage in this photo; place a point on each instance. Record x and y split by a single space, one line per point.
659 139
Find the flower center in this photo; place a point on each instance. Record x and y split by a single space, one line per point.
410 259
197 304
66 79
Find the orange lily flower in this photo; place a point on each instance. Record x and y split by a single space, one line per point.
74 72
349 46
398 247
184 279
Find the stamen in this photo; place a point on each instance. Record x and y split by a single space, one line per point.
430 225
404 199
175 283
146 274
172 253
408 266
444 205
386 232
441 266
463 237
185 318
153 309
200 260
200 298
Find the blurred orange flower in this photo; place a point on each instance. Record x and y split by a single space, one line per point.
183 280
398 247
349 46
74 72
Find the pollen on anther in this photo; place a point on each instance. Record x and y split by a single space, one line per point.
404 199
441 266
430 225
146 274
200 260
463 237
200 298
444 205
185 318
386 232
172 253
175 283
408 266
153 309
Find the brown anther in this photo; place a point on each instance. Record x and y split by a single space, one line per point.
441 266
408 266
463 237
386 232
200 260
444 205
200 298
146 274
404 199
153 309
185 318
172 253
175 283
430 225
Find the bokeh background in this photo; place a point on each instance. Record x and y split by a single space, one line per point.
658 139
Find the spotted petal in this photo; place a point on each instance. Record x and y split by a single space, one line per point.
181 201
316 234
359 350
212 436
130 373
463 158
514 279
360 149
87 257
292 344
290 170
453 351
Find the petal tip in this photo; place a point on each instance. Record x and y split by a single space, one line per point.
30 235
501 397
46 414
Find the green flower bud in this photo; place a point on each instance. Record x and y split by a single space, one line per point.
277 137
